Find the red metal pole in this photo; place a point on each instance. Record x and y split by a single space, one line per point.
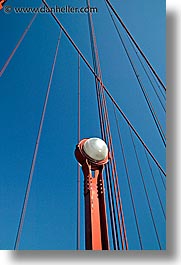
102 209
92 215
96 229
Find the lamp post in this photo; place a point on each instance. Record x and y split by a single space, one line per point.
92 154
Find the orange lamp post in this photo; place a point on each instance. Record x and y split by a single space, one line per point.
92 154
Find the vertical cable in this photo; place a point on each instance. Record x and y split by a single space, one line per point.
107 134
135 43
104 87
28 188
150 106
128 179
145 189
149 78
115 179
153 177
134 130
78 166
103 133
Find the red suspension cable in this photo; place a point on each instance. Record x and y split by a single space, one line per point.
103 133
145 190
128 179
142 87
18 44
104 87
78 166
28 188
103 105
135 43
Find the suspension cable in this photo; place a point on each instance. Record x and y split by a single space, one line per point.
135 43
114 170
28 188
146 72
158 84
145 189
107 168
78 166
154 181
104 87
128 179
163 182
116 185
143 89
101 116
149 78
18 44
134 130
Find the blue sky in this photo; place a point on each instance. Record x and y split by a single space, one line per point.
50 221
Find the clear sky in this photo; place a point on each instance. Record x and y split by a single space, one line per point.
50 221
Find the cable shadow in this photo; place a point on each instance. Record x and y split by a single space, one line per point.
172 161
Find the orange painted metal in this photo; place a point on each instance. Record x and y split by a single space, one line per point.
92 216
102 209
2 2
96 230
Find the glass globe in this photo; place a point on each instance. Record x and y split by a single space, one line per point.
96 149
